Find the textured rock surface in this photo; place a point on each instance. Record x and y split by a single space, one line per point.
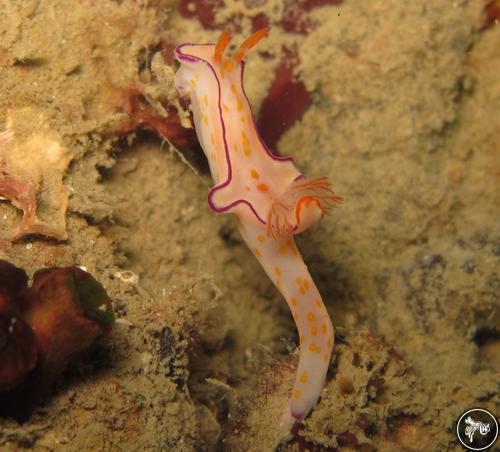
403 119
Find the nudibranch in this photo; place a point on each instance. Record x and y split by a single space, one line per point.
270 197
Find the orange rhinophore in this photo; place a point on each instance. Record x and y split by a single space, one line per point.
221 46
250 42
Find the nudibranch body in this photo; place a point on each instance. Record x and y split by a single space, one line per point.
270 197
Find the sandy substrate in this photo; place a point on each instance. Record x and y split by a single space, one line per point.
404 121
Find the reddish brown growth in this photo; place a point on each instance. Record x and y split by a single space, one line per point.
285 103
23 196
491 14
143 116
203 10
363 422
302 443
347 439
42 328
17 341
293 20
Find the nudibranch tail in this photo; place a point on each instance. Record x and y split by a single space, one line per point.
300 206
283 263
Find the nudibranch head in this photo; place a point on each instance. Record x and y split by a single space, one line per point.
303 203
213 55
247 174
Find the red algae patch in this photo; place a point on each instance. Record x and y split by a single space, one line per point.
491 14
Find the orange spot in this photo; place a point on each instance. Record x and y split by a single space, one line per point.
314 330
326 357
221 46
247 150
298 280
257 252
310 316
304 377
314 348
277 270
212 138
250 42
225 107
205 120
262 238
301 337
323 328
244 137
306 284
254 174
239 104
263 187
318 303
329 343
302 290
228 65
293 301
283 249
297 394
193 82
205 99
233 88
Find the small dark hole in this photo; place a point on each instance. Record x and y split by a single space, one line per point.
485 335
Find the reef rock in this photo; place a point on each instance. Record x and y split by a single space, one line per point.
33 161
